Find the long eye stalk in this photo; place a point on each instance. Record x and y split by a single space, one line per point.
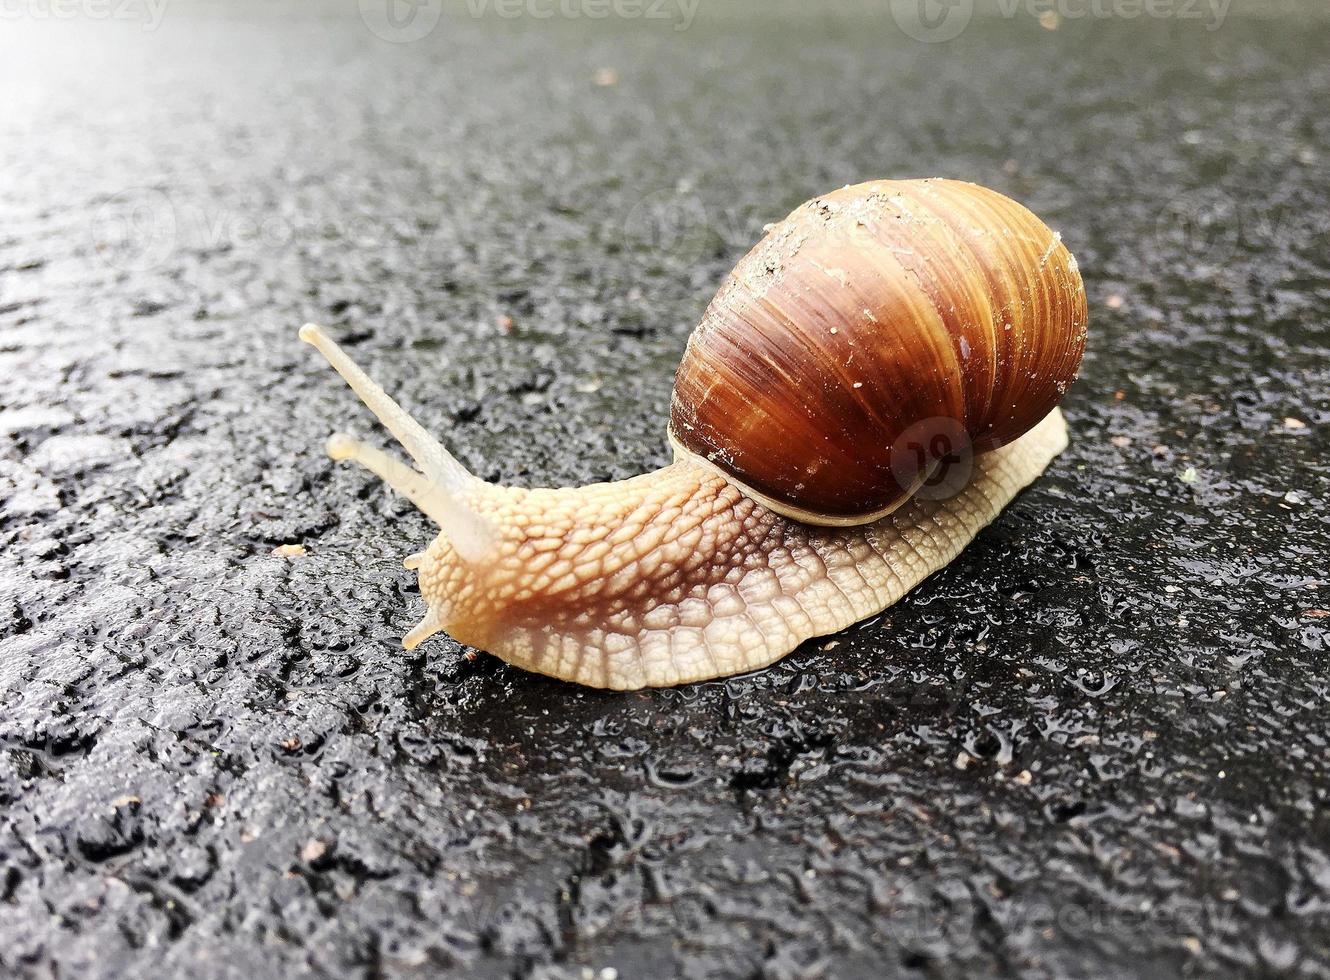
438 489
433 459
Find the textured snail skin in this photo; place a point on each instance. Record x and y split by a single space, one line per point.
677 576
873 322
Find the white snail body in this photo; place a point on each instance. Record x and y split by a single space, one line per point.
917 309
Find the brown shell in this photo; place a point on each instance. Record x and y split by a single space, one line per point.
864 325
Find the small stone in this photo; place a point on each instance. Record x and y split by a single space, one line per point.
1114 302
607 77
1293 424
505 324
313 850
289 551
1293 497
1188 475
120 801
1122 442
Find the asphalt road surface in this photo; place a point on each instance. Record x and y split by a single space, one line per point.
1095 744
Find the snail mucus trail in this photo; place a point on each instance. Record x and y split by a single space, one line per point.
806 421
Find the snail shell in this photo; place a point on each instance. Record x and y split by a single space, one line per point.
867 335
874 333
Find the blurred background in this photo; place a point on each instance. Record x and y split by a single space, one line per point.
1095 743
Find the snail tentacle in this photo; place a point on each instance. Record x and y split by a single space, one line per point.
471 535
432 623
430 455
438 491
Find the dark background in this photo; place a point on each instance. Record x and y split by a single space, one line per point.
1096 743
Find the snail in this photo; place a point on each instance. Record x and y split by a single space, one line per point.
876 339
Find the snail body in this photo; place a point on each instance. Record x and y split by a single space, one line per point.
872 338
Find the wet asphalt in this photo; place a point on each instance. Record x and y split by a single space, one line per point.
1095 744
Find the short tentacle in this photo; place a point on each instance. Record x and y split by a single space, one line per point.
470 534
423 630
438 491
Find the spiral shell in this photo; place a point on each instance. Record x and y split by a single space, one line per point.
873 332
